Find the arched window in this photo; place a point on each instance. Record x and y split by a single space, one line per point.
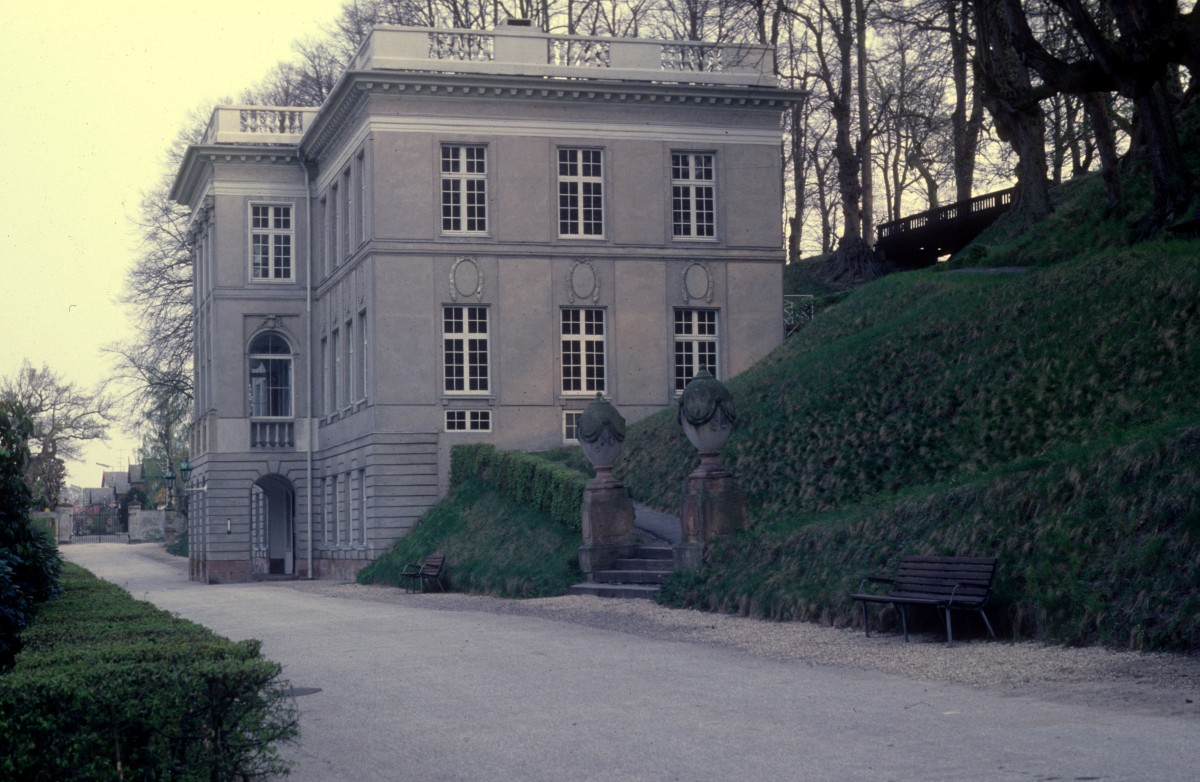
270 377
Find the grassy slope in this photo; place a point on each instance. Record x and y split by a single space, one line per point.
492 546
1052 418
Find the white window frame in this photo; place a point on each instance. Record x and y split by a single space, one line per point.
275 265
269 365
571 420
467 420
466 338
464 189
581 192
583 350
694 196
696 336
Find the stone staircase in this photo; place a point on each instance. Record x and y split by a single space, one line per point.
638 576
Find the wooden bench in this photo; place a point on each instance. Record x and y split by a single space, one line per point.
945 583
416 575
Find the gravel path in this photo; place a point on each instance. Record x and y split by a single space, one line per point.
1144 683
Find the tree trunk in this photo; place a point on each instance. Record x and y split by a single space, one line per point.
864 126
1007 93
1096 106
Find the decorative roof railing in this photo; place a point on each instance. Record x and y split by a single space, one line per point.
258 125
523 51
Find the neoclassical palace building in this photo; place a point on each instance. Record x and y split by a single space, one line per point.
475 234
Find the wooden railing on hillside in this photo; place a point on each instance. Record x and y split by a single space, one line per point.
998 201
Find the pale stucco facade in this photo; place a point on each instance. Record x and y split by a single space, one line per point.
475 234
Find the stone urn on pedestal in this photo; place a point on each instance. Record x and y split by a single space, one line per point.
713 503
607 512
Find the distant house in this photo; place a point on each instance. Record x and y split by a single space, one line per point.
473 236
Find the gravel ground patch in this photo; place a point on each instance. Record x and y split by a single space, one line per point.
1145 683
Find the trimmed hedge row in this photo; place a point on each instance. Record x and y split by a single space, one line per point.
523 478
108 687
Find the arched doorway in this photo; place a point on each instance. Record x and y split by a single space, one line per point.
272 526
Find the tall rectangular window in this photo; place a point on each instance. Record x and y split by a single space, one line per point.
361 173
351 374
582 344
326 501
326 401
580 192
464 188
362 355
270 242
323 245
465 362
334 245
347 216
336 349
362 504
693 195
695 344
337 510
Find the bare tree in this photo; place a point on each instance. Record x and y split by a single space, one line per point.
64 416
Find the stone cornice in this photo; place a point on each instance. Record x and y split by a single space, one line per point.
199 158
351 90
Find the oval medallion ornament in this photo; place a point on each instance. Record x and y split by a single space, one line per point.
584 282
466 279
697 283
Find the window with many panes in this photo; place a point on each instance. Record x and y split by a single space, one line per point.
693 195
580 192
571 420
465 364
695 344
468 420
464 188
270 391
270 242
582 333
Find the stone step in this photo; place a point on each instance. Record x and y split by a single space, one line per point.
644 591
655 552
630 576
661 565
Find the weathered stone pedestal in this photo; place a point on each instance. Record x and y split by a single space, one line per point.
607 511
713 503
608 533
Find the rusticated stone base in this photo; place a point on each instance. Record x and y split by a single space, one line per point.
607 520
224 571
331 569
713 505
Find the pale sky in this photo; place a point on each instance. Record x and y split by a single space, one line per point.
93 94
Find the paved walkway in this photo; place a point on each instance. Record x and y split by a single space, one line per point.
413 692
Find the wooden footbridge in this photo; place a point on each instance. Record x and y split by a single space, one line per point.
920 239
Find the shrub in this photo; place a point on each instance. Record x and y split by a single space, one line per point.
108 687
523 478
29 562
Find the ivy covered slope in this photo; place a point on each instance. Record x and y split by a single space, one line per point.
1049 415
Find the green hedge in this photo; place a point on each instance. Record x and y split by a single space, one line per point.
29 562
523 478
108 687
